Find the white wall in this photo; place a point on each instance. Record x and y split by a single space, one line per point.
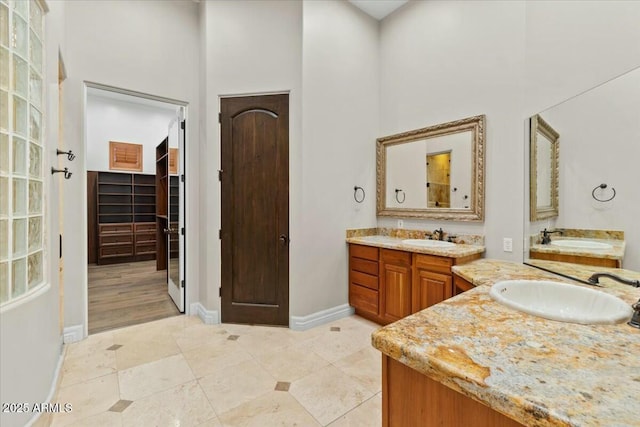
115 120
128 45
339 129
30 338
441 61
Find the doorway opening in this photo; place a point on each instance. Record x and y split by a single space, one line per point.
135 167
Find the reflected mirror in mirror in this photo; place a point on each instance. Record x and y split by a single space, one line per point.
544 149
600 131
435 172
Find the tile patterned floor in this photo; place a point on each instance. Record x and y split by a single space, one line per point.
178 371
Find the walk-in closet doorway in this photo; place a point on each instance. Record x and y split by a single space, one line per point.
135 168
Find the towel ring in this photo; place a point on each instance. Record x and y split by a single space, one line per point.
404 195
355 194
603 186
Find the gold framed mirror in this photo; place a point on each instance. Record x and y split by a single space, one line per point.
436 172
544 144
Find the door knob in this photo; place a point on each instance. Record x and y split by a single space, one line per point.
284 239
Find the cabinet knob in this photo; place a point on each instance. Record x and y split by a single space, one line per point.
284 239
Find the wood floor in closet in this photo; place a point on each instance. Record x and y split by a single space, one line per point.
127 294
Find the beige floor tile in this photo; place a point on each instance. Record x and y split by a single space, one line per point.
197 335
139 348
369 414
218 356
365 366
356 324
184 405
291 363
276 408
78 368
90 345
333 346
150 378
213 422
328 394
230 388
263 339
88 398
104 419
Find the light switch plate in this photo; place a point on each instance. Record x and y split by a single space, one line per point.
507 244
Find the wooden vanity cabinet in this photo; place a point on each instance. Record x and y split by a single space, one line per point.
461 285
432 281
395 284
386 285
363 280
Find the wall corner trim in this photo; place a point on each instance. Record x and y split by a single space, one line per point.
208 317
73 334
302 323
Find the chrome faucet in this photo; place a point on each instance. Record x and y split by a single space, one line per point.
546 238
594 279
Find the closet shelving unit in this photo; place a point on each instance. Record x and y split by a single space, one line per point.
125 204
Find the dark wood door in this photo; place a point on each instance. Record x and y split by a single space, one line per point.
255 209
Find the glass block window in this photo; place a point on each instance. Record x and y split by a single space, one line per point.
22 205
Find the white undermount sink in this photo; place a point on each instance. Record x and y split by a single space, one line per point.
423 243
580 244
561 301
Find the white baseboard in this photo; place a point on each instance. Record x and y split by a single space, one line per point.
73 334
52 390
208 317
302 323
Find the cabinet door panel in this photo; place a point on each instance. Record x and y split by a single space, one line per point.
396 299
460 285
429 288
363 299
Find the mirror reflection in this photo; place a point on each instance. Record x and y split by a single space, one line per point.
596 223
544 148
435 172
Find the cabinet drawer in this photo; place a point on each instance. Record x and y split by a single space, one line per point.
116 238
363 279
118 250
395 257
145 226
146 248
366 252
363 299
145 238
364 266
434 263
116 228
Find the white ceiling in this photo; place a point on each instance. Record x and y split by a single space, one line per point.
378 8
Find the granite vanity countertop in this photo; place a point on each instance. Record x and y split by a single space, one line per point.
539 372
457 251
616 252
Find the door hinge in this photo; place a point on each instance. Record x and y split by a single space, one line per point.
220 292
219 117
183 124
182 283
219 174
182 177
220 234
182 231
